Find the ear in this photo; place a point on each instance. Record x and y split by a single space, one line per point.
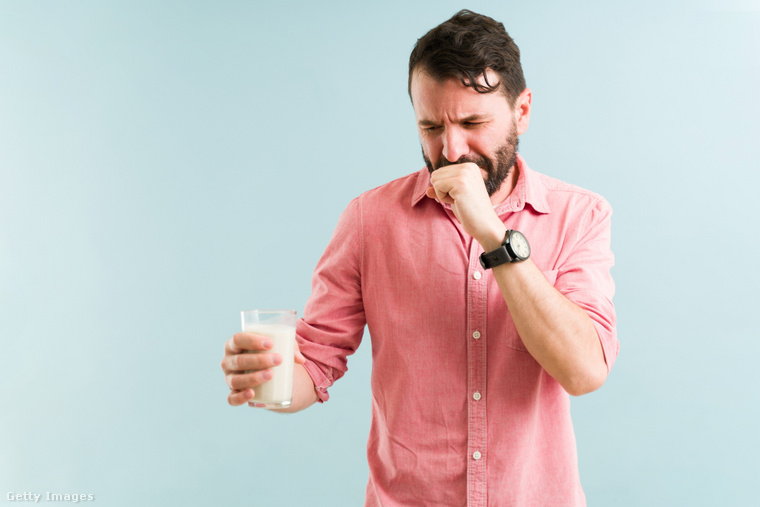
522 110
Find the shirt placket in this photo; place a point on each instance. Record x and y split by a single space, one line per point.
476 379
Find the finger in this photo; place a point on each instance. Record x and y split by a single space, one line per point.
250 361
442 187
460 181
237 398
240 381
438 189
242 342
457 175
443 196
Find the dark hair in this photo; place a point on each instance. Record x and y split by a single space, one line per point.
464 47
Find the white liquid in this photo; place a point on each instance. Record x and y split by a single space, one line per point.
279 390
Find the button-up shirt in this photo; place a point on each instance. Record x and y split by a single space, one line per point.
462 414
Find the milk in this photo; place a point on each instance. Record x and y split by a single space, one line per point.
277 392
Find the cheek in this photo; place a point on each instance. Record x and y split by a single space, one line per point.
487 144
432 148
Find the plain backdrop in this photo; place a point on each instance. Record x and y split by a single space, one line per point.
166 164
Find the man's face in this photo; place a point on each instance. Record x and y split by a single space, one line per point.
457 124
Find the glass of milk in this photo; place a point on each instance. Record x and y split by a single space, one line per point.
280 327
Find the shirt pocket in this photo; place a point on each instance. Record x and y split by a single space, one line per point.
513 339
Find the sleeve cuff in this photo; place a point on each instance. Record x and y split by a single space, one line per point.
320 380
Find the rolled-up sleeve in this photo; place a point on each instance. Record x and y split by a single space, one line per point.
585 278
333 322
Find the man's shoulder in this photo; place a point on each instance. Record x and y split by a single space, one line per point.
400 190
552 184
558 191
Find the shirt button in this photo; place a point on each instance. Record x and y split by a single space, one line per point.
476 455
476 335
476 275
476 395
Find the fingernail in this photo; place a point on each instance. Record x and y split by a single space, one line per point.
267 344
267 375
277 359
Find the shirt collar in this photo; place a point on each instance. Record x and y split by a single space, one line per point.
528 190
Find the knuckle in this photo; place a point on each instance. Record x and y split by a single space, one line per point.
237 341
247 362
226 366
235 382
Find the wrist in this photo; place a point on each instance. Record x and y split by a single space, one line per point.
493 238
515 248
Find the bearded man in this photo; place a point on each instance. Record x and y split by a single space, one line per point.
486 290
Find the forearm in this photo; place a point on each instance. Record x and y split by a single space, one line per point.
304 394
556 332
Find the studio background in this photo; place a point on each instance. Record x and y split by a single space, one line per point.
164 165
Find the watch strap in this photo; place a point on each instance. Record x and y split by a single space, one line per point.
496 257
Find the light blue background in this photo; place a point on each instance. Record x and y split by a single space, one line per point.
164 165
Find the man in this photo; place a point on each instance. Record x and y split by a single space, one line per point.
477 338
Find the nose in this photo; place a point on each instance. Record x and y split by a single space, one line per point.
454 144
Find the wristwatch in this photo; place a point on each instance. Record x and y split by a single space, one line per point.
514 249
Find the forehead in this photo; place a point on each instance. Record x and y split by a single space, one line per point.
434 99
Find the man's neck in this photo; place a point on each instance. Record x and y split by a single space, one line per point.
507 186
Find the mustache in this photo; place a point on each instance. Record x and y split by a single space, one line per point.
478 160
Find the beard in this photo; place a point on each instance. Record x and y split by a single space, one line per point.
497 169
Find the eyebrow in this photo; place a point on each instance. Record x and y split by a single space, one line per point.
466 119
476 117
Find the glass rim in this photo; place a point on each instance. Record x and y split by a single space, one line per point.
269 311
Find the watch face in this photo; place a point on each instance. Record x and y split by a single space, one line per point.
519 245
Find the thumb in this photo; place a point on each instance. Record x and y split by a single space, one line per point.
430 192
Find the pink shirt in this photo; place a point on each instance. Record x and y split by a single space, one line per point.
461 413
